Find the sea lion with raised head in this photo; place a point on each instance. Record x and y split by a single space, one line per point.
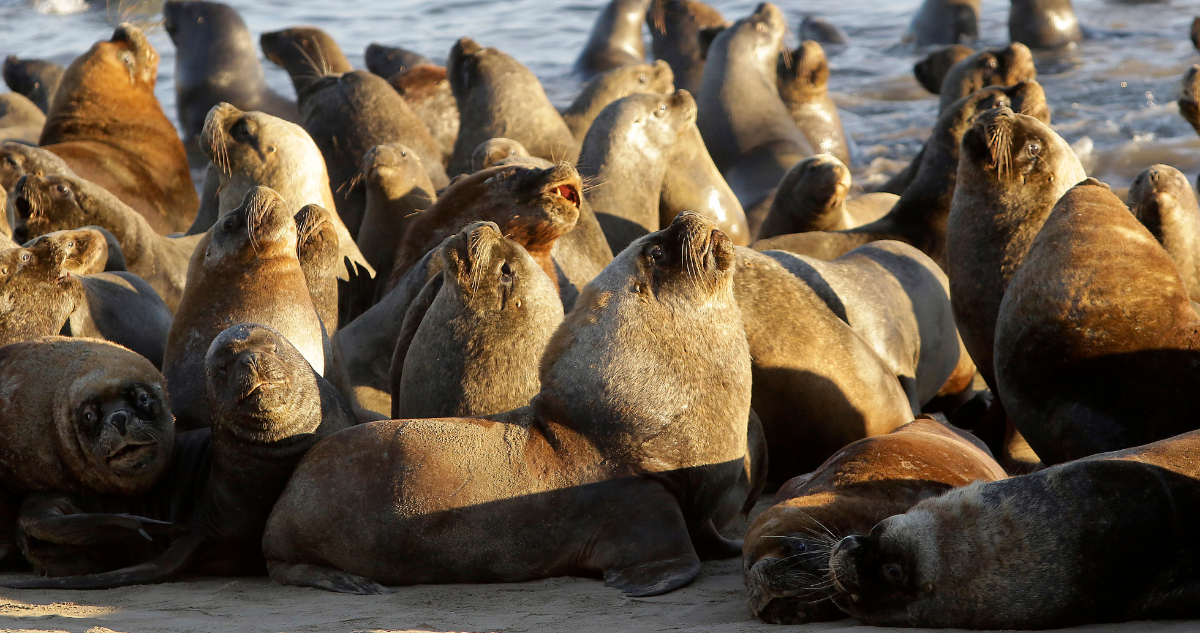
616 39
812 197
1163 201
427 91
803 77
398 189
786 552
614 84
37 79
1043 23
386 61
473 338
306 53
20 119
693 183
932 69
106 123
945 22
640 517
317 249
680 32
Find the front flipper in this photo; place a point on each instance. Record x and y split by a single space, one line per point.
327 578
710 545
95 528
161 569
646 550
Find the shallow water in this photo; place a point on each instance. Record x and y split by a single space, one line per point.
1115 93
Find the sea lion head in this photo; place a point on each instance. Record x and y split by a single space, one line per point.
647 124
259 386
44 204
931 70
470 64
18 159
37 293
821 177
386 61
84 251
490 273
316 238
758 36
804 72
125 59
987 67
494 150
257 146
260 228
622 81
304 50
37 79
1018 152
1157 193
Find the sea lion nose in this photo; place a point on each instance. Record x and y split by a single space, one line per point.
119 420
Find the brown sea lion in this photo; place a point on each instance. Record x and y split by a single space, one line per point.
811 197
1189 99
473 337
803 77
305 52
680 32
1107 539
786 552
245 270
609 427
44 204
37 293
37 79
497 96
945 22
19 159
932 69
427 91
1043 23
317 249
85 251
1194 33
495 150
616 39
1084 372
693 183
386 61
20 119
106 124
269 408
1163 201
398 188
614 84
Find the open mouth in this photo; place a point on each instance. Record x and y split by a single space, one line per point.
132 453
569 192
24 209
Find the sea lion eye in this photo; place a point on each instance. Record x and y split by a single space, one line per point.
656 254
662 109
762 28
89 415
25 257
1033 149
61 190
991 63
71 244
641 79
797 546
893 572
229 224
223 368
404 153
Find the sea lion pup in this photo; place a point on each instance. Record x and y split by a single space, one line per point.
305 52
498 96
614 84
44 204
252 149
348 114
932 69
1189 99
386 61
616 39
786 552
749 132
37 294
812 197
106 124
216 61
317 249
427 91
269 408
20 119
37 79
494 150
70 428
1163 201
567 463
1107 539
803 77
256 245
945 22
488 314
919 216
680 32
1068 371
398 189
1043 23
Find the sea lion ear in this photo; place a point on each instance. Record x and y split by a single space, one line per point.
705 39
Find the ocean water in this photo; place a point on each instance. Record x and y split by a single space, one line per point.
1113 96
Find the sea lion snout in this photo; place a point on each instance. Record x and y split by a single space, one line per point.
844 563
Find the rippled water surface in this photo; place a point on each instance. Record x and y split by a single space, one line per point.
1114 93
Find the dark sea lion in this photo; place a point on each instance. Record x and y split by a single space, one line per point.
305 52
1194 33
1107 539
786 552
614 84
1043 23
495 150
427 91
398 188
680 31
567 463
106 124
1163 201
693 183
748 131
210 201
1084 372
823 32
386 61
269 408
932 68
803 77
216 61
1189 99
256 245
20 119
616 39
37 294
348 114
37 79
499 97
44 204
945 22
317 249
474 336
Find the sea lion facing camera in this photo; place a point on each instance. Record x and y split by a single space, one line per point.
615 84
571 463
37 294
306 53
616 39
398 188
1163 201
680 32
786 552
37 79
803 77
945 22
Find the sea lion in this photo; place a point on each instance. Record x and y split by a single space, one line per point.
19 159
37 79
398 189
106 124
495 150
680 32
612 85
945 22
386 61
811 197
85 251
803 77
427 91
20 119
37 294
932 69
44 204
823 32
786 552
350 113
215 62
1069 363
305 52
1189 99
1043 23
288 162
616 39
255 244
1163 201
748 131
693 183
317 249
1194 33
498 96
566 463
473 338
210 201
1107 539
269 408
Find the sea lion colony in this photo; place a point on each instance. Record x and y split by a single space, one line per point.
421 327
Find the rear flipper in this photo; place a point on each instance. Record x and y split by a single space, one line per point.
327 578
96 529
647 552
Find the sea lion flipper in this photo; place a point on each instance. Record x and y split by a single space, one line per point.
161 569
710 545
653 578
94 528
648 553
327 578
